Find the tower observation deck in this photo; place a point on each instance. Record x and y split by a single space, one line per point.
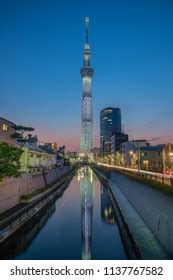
86 137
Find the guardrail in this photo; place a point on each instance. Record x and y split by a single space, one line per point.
158 177
16 220
137 170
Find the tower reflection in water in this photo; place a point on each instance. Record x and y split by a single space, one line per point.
85 176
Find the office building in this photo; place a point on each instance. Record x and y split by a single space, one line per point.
116 140
110 123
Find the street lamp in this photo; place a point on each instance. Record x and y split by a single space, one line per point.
139 157
130 157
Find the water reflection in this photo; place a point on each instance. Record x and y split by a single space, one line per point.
100 234
20 242
80 225
85 176
107 212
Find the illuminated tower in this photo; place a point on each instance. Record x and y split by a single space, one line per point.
86 141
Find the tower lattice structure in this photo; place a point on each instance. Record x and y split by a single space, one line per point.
86 138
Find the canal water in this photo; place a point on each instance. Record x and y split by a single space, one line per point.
80 224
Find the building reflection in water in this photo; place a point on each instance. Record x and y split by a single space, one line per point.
85 176
107 212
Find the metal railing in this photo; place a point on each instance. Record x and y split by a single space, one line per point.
136 170
15 220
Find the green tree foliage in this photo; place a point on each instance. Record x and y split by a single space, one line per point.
9 161
168 163
20 136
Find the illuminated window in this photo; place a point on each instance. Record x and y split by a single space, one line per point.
108 111
5 127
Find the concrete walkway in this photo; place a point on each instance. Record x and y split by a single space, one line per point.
155 208
149 246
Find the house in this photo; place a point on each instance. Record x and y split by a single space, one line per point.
157 158
6 130
129 151
35 159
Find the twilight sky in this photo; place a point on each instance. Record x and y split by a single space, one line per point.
41 45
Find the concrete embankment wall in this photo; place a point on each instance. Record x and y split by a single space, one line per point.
154 207
139 240
157 178
11 189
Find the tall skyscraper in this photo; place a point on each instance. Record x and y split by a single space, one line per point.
110 123
86 137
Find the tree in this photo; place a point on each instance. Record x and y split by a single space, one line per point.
9 161
20 135
118 159
168 163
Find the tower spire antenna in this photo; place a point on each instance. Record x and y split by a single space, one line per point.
87 28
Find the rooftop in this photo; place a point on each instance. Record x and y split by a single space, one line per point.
34 147
158 148
6 120
109 108
140 140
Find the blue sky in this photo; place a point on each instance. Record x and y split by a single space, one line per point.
41 55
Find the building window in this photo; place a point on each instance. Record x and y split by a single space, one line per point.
5 127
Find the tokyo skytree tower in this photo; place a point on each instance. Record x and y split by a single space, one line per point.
86 137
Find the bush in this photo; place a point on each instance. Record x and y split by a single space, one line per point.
9 161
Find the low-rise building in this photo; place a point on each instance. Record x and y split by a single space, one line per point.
129 151
71 154
35 159
95 151
49 147
157 158
6 130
